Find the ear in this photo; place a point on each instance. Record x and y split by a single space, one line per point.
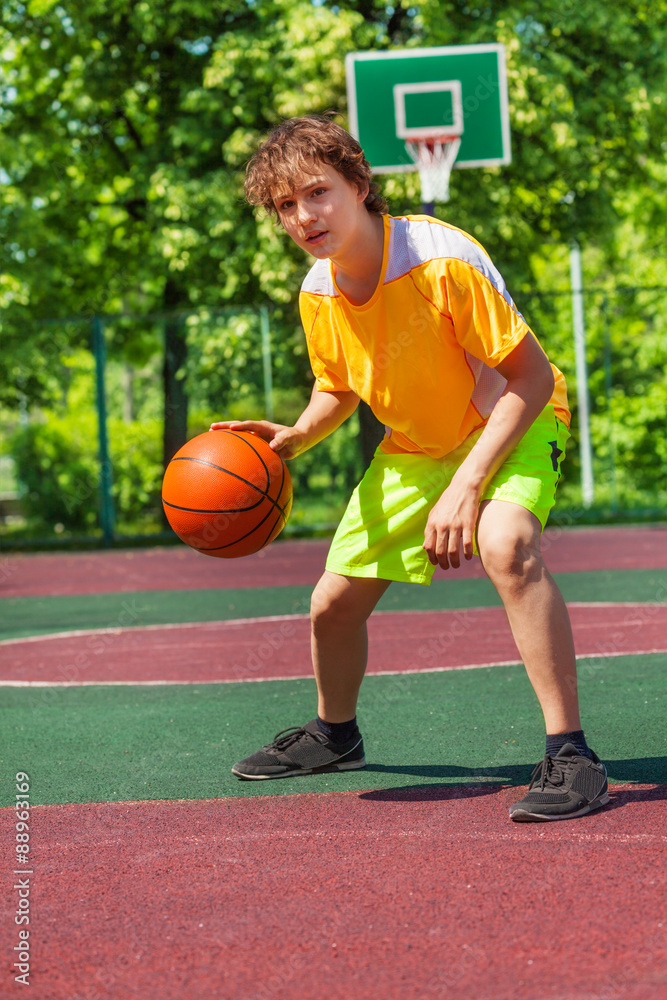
362 192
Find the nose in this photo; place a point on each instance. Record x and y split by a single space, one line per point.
304 212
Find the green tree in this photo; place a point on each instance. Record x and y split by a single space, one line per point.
124 129
122 143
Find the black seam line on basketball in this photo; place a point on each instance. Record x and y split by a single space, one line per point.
216 548
220 468
282 481
232 510
245 440
268 535
283 469
271 530
241 437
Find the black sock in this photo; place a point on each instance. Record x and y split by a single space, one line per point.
337 732
577 739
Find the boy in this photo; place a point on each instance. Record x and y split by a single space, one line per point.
411 315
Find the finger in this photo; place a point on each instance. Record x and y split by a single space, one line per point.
453 544
442 547
225 425
467 543
281 445
260 427
286 441
241 424
430 539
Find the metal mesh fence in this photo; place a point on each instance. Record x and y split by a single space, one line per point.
87 465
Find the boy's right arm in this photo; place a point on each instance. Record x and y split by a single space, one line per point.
325 412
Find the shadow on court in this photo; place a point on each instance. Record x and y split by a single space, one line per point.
496 776
638 769
643 770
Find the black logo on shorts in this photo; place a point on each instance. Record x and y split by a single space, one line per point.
556 453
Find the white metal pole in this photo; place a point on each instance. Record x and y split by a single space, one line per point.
266 359
585 450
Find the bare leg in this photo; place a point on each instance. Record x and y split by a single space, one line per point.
508 538
340 607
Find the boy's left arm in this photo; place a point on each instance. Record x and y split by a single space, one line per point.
452 520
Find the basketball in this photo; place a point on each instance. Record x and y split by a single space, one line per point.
227 493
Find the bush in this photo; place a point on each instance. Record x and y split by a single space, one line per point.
58 469
136 458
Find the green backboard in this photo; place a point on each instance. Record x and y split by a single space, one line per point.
417 93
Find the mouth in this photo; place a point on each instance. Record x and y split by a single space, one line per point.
316 237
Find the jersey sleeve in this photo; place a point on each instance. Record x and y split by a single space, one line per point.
326 379
486 322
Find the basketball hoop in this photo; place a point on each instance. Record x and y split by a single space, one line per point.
429 120
434 156
406 105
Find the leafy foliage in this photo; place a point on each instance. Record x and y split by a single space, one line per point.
57 466
59 473
125 127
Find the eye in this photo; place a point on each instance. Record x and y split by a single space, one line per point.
285 205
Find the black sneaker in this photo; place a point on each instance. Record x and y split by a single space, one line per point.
302 750
563 787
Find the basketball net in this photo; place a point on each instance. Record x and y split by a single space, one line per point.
435 158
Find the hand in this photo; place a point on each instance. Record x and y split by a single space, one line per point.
287 441
451 522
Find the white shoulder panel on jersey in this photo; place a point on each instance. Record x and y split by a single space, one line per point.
416 242
318 281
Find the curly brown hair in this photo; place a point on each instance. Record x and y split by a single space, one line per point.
293 146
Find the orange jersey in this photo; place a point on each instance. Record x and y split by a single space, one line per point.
422 351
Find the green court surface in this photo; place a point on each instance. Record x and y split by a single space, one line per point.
107 743
26 616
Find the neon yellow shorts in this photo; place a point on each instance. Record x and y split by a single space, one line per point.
382 531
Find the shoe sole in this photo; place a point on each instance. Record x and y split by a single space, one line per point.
523 816
352 765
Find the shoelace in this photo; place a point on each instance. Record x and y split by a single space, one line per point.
286 737
550 771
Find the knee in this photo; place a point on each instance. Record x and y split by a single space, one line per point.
511 562
332 606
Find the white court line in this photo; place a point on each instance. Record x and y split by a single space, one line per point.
120 630
308 676
526 836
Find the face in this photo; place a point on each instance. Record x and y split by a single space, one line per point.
322 213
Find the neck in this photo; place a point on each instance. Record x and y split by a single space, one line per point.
357 266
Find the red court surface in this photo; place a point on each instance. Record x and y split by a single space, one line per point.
427 892
274 648
403 894
288 563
